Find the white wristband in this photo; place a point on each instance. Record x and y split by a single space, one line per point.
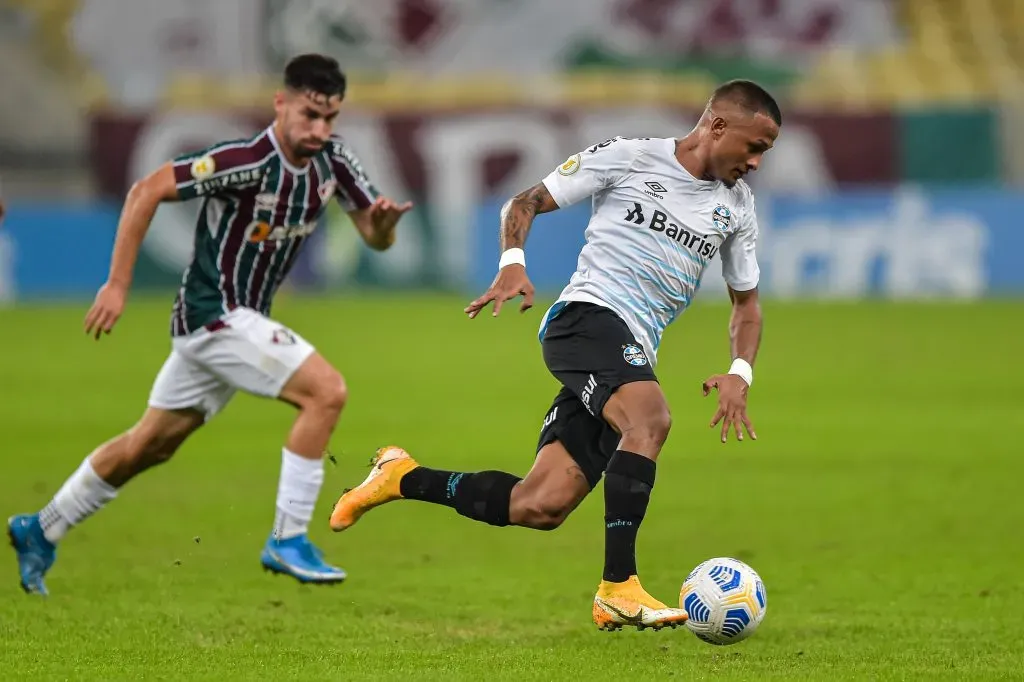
742 368
510 256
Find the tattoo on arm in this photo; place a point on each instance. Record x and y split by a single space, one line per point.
575 473
518 213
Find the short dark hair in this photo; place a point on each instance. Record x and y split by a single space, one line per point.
750 96
315 73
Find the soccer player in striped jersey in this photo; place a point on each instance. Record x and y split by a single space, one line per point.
260 199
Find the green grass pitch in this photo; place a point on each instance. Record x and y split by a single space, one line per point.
881 504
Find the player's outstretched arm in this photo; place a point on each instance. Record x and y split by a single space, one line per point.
376 223
139 208
518 213
744 339
516 219
745 325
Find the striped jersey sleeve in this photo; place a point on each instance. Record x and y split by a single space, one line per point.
223 167
355 190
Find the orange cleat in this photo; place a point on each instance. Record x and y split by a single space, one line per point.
628 604
390 464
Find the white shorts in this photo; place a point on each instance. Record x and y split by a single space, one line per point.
250 352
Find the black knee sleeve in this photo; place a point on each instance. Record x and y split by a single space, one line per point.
485 496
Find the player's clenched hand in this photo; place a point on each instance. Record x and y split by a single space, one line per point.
732 404
510 282
106 309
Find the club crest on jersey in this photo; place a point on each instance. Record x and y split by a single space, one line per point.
634 355
326 189
571 165
203 167
721 217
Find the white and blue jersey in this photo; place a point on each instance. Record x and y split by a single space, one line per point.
653 230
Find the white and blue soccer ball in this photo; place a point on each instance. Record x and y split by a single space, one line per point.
725 600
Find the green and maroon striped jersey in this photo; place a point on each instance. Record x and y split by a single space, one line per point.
257 210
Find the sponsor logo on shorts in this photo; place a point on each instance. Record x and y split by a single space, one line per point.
634 355
587 392
551 417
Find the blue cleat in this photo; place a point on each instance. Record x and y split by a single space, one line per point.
301 559
36 554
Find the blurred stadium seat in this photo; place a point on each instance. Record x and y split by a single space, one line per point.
99 91
926 52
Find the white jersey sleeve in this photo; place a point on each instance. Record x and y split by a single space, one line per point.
596 168
739 259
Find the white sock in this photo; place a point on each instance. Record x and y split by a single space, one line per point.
81 496
301 479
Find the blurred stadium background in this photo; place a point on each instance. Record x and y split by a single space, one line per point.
879 503
901 159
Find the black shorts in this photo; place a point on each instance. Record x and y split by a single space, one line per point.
591 351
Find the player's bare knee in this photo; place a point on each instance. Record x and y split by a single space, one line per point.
552 519
657 425
544 519
316 387
331 393
642 418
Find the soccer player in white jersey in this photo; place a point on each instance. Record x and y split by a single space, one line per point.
261 198
663 209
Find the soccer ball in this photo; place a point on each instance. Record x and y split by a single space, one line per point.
725 600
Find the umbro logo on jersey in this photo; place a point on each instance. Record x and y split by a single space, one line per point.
655 189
